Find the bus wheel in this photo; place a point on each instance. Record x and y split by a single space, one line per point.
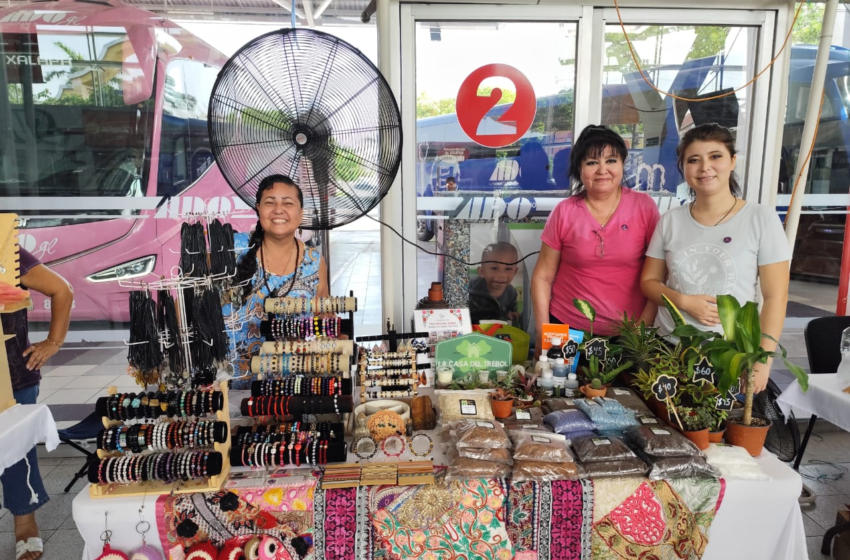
423 232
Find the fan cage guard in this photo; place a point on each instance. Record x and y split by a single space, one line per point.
307 105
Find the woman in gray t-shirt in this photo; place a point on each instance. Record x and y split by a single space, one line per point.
717 244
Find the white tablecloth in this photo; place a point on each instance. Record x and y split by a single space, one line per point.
825 398
23 426
757 520
760 520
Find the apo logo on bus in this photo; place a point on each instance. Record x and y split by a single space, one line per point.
472 108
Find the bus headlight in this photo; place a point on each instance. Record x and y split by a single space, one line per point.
125 271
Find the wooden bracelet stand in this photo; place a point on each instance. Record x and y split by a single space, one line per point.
395 391
9 261
156 487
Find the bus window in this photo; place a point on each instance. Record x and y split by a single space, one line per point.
185 152
66 130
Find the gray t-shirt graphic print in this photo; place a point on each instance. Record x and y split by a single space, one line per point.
716 260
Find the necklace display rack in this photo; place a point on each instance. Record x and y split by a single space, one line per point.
192 464
303 371
394 373
9 273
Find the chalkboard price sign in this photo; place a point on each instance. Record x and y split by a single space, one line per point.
570 349
665 387
597 347
613 362
704 372
725 402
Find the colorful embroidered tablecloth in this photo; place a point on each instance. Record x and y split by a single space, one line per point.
284 511
608 519
660 520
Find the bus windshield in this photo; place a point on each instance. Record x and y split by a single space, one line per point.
65 126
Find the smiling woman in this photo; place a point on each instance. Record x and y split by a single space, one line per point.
594 242
717 244
273 263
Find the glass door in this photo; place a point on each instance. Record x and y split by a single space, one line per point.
495 107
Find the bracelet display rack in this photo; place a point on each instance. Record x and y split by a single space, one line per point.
394 374
181 487
300 376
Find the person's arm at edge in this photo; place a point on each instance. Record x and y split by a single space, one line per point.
61 294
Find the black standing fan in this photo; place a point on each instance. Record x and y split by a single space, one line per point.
783 438
308 105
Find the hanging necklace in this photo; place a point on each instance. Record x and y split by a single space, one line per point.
266 273
734 204
613 208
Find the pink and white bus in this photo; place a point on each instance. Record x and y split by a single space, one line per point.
104 144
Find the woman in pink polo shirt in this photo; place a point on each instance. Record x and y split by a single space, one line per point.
594 242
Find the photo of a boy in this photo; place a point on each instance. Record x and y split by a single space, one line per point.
491 295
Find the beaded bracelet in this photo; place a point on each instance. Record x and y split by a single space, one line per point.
413 452
384 445
359 441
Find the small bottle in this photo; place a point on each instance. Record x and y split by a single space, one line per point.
844 366
555 350
542 364
560 368
571 382
546 382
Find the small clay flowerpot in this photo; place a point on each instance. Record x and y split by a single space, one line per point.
716 437
590 392
750 438
699 437
502 409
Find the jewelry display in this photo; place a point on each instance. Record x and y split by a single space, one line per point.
152 405
303 370
412 439
388 374
368 453
401 442
164 467
293 364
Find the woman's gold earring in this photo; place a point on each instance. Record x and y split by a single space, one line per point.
300 231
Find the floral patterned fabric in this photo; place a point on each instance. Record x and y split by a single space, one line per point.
656 522
246 341
284 512
546 519
443 521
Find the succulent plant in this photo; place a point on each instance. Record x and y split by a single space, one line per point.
596 384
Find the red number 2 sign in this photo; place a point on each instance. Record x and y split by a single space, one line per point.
472 108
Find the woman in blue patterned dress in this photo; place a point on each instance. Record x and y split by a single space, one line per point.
272 263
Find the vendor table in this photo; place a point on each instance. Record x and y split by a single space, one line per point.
756 520
825 398
23 426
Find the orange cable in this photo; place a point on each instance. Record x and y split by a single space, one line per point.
756 77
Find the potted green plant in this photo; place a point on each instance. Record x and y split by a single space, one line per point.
696 423
598 377
718 427
502 402
640 344
524 385
733 355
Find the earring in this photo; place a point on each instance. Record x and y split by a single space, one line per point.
300 231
